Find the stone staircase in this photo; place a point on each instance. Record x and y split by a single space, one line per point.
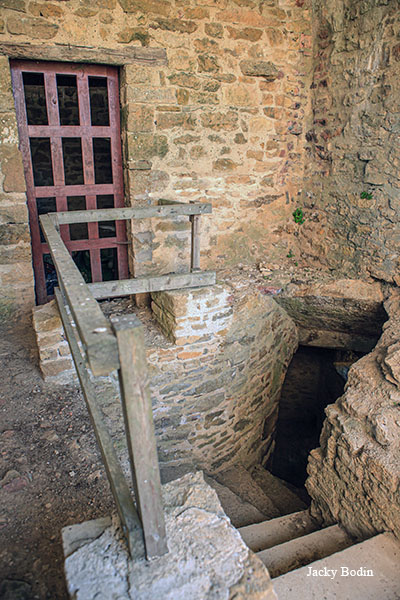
305 560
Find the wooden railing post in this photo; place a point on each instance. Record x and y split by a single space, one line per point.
138 416
195 254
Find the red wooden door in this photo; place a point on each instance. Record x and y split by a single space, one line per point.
69 127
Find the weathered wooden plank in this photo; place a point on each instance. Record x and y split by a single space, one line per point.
145 212
123 498
165 201
86 54
136 402
195 247
94 329
159 283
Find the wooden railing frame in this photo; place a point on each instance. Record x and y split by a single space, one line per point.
120 345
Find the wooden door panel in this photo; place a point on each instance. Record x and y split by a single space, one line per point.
69 126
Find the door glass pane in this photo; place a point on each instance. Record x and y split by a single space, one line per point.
50 274
99 101
44 206
68 99
82 260
35 98
109 264
77 231
102 160
106 228
73 164
41 161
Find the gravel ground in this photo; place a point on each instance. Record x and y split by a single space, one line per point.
51 473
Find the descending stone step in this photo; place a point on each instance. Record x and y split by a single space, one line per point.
277 531
346 575
239 481
283 498
304 550
241 513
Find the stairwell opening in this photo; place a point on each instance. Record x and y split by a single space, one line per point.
315 378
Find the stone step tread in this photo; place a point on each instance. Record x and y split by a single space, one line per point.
267 534
241 513
283 498
380 554
239 481
304 550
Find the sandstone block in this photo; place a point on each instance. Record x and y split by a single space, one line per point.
224 164
240 95
158 7
175 25
18 5
35 28
249 33
186 80
242 17
215 30
51 368
220 121
12 169
208 63
138 118
144 146
46 10
259 68
150 95
13 234
133 34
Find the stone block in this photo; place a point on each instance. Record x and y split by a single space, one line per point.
14 234
219 121
249 33
259 68
240 95
138 118
53 368
198 533
145 146
133 34
158 7
175 25
17 5
35 28
144 94
214 30
12 169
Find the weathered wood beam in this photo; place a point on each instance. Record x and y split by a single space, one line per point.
94 329
195 245
86 54
140 285
126 509
145 212
138 416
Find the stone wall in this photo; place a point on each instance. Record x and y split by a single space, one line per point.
215 386
354 476
222 121
213 560
352 180
16 275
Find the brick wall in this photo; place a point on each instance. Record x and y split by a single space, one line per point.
215 387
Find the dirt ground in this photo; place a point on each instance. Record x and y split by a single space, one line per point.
51 473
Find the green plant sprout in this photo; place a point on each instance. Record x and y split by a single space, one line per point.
366 195
298 216
290 254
